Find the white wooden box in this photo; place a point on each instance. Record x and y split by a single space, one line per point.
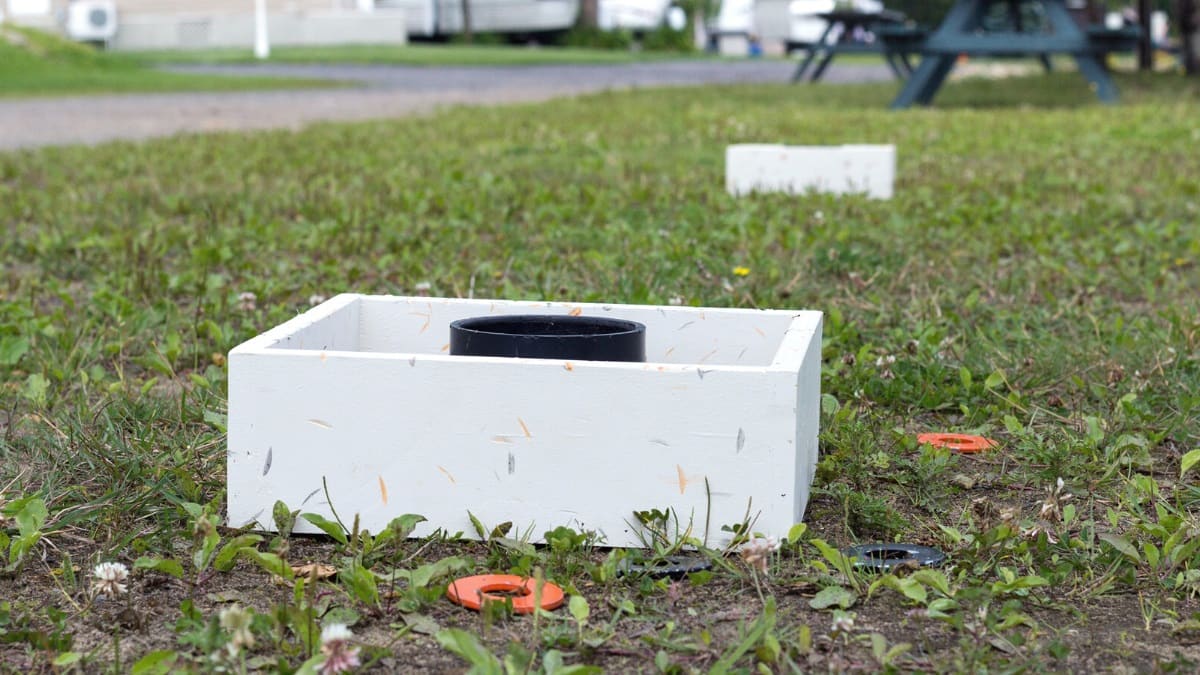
362 391
846 169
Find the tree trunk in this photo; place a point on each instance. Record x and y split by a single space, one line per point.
1145 47
467 36
589 14
1187 33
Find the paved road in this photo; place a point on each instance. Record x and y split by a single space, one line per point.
383 91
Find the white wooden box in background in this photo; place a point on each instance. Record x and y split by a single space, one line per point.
362 391
846 169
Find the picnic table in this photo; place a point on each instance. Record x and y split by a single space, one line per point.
849 21
965 31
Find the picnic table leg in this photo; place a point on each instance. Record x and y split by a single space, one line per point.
942 67
812 54
829 54
925 81
1090 64
1047 64
1097 75
891 59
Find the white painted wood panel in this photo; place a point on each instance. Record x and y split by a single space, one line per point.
846 169
396 425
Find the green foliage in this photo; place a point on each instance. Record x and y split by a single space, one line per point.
925 12
1033 280
759 632
595 47
37 63
30 514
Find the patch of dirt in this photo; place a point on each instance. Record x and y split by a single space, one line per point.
692 624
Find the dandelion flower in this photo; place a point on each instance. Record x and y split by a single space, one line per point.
110 578
741 271
335 645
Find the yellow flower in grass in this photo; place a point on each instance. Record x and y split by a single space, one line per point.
741 271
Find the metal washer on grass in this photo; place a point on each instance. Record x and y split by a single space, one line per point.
673 566
884 557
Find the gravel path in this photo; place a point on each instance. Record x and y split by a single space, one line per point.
384 91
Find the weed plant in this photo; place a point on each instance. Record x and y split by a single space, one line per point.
1034 281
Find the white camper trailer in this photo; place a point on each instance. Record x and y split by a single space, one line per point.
775 24
433 18
636 15
771 24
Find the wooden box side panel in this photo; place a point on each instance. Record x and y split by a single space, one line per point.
538 444
682 335
331 326
848 169
807 415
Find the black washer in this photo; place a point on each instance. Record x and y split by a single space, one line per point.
884 557
673 566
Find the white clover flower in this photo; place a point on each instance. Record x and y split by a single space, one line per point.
315 299
335 645
236 621
247 301
423 288
675 301
110 578
757 552
843 622
334 632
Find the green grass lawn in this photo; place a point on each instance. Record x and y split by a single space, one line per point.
1034 281
37 64
417 55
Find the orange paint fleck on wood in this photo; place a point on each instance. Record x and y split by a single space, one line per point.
759 331
383 490
683 481
446 347
569 366
524 428
323 357
443 470
428 318
575 312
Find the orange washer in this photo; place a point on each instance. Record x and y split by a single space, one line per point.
472 592
963 443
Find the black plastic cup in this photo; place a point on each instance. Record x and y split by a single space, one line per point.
537 336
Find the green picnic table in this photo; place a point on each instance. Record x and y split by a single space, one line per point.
849 21
965 30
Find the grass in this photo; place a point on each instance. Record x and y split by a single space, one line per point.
417 55
37 64
1033 281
